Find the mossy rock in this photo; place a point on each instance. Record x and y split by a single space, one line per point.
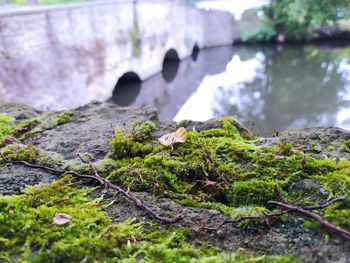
221 171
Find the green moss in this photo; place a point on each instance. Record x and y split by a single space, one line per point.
55 120
193 173
124 147
339 214
47 122
142 131
29 234
331 148
9 127
252 192
336 183
346 146
5 128
194 169
17 152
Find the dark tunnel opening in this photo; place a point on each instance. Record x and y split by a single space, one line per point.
127 89
171 64
195 52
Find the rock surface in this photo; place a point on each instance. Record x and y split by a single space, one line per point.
90 129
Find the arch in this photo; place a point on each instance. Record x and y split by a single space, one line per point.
195 52
171 64
127 89
171 55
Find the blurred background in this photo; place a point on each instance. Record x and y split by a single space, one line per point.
273 65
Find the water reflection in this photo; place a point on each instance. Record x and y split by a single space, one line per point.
168 97
277 87
195 53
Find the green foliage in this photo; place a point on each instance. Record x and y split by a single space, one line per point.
301 18
262 33
296 19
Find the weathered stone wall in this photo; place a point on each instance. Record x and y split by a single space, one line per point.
88 47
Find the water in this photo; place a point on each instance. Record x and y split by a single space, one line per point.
268 88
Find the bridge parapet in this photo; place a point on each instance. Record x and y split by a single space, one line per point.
88 47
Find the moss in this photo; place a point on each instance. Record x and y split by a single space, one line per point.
194 169
28 233
5 128
51 122
336 183
106 165
252 192
346 146
339 214
17 152
331 148
10 127
192 174
228 122
124 147
142 131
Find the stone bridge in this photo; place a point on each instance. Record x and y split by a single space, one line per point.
65 56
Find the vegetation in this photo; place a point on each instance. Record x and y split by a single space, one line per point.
28 232
299 19
220 168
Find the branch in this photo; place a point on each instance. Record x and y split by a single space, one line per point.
236 222
287 209
298 210
102 181
340 199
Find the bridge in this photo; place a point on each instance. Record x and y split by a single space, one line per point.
65 56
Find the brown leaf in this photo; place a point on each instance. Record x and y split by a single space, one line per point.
169 139
61 219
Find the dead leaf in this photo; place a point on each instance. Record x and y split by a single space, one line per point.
61 219
180 136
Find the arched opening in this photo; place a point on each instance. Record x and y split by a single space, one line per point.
195 52
171 64
127 89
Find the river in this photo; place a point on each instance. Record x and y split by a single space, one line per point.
267 87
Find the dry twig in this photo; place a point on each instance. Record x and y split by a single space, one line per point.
288 208
307 213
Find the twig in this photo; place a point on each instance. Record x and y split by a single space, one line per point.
288 208
236 222
298 210
102 181
212 164
340 199
130 196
